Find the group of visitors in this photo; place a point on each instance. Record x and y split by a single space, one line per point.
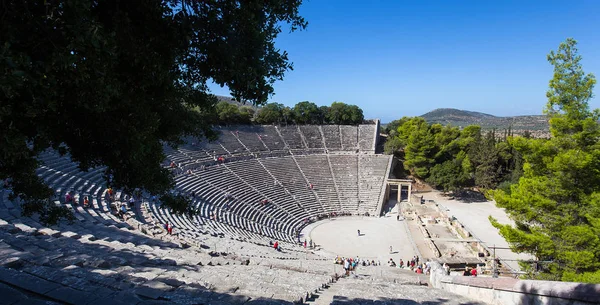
470 271
350 263
412 264
309 244
322 216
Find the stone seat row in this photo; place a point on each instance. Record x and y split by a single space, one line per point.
83 269
290 200
99 210
244 139
295 187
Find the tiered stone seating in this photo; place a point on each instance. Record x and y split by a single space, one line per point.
291 137
123 267
248 177
332 136
187 155
241 211
318 172
366 137
349 137
215 148
230 142
249 136
271 138
401 290
286 171
372 170
101 257
313 136
345 173
256 176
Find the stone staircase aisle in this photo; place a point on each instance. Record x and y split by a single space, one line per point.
325 295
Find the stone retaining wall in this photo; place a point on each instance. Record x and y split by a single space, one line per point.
510 291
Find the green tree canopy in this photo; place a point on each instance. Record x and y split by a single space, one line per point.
271 113
556 203
227 113
344 114
246 114
110 81
307 113
450 158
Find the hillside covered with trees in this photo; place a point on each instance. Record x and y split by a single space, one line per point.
536 125
452 159
550 187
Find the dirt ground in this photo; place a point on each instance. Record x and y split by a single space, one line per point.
340 236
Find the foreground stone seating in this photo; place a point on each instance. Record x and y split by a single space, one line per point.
92 270
364 291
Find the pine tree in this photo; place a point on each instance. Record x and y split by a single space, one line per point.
556 204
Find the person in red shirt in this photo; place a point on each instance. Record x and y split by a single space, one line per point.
474 272
276 245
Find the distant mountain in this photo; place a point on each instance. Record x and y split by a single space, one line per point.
456 114
462 118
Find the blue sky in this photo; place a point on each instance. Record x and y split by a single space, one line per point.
405 58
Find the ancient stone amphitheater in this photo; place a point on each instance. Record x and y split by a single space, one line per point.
221 255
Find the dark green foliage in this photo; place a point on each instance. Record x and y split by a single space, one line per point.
271 113
178 204
392 145
307 113
246 114
110 81
343 114
228 113
450 175
450 158
556 203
